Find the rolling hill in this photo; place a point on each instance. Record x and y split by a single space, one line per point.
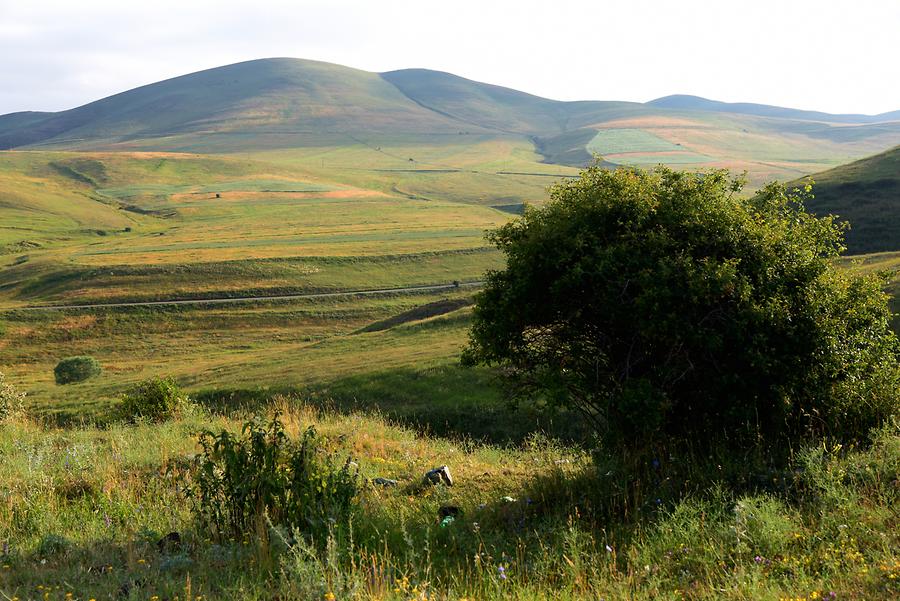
285 103
867 194
256 97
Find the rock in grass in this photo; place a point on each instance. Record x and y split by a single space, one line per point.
439 475
385 482
168 543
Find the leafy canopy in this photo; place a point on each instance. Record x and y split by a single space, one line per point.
661 303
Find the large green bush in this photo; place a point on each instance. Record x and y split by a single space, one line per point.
239 481
76 369
664 306
156 399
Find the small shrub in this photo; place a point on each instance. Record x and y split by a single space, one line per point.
12 402
76 369
156 399
239 481
52 545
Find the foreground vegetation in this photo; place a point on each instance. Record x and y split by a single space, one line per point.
85 509
95 478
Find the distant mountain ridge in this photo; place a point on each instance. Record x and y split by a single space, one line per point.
697 103
288 103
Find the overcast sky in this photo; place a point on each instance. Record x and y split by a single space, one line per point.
817 54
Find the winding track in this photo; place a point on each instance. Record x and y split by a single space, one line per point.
247 299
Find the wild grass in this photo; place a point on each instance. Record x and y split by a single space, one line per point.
84 508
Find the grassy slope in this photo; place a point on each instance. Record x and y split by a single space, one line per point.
251 97
867 194
486 105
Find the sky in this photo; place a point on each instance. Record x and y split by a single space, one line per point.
839 57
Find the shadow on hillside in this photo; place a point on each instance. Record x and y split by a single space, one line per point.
447 401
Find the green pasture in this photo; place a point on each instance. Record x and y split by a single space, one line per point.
244 346
485 170
615 141
675 158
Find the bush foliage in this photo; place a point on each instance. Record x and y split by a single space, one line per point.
12 401
76 369
156 399
240 481
665 307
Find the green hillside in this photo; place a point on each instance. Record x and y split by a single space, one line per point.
286 104
282 95
505 109
479 104
867 194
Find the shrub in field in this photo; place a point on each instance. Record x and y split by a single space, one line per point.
242 480
665 307
11 400
53 544
156 399
76 369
